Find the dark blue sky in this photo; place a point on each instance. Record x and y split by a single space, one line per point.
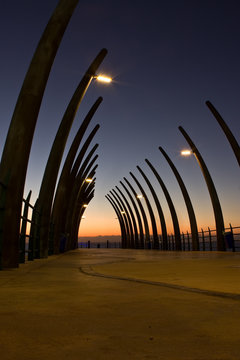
166 59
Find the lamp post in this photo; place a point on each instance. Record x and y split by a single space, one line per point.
60 195
212 192
49 179
191 214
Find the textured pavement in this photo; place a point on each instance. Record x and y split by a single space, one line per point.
122 304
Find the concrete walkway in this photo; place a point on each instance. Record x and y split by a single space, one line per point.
102 304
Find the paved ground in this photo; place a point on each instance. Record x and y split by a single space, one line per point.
122 304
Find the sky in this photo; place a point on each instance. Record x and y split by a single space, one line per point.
166 58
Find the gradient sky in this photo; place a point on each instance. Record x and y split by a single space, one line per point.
166 58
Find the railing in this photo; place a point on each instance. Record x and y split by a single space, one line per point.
207 240
97 245
30 247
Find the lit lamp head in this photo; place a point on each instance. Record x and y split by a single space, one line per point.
140 196
103 78
186 152
85 205
88 180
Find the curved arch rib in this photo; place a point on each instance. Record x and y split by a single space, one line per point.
228 133
191 214
177 233
147 235
212 192
153 221
120 219
135 240
124 219
159 209
140 226
54 160
17 147
128 219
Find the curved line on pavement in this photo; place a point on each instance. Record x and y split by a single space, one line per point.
87 270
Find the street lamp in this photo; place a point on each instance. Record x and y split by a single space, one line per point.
85 205
186 152
88 180
212 192
140 196
103 78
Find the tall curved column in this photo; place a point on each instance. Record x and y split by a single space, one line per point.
135 240
59 199
54 160
124 219
131 239
177 233
123 231
58 211
150 210
229 135
159 209
212 192
140 242
17 147
73 220
59 215
77 193
191 214
146 227
89 194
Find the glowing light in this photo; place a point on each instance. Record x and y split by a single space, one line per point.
104 78
186 152
123 212
85 205
89 180
83 217
140 196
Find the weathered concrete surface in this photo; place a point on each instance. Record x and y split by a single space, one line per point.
49 309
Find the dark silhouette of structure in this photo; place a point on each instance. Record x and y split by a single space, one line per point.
62 196
150 210
212 192
48 184
229 135
159 209
144 217
140 242
120 219
171 207
134 244
17 147
191 214
125 209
